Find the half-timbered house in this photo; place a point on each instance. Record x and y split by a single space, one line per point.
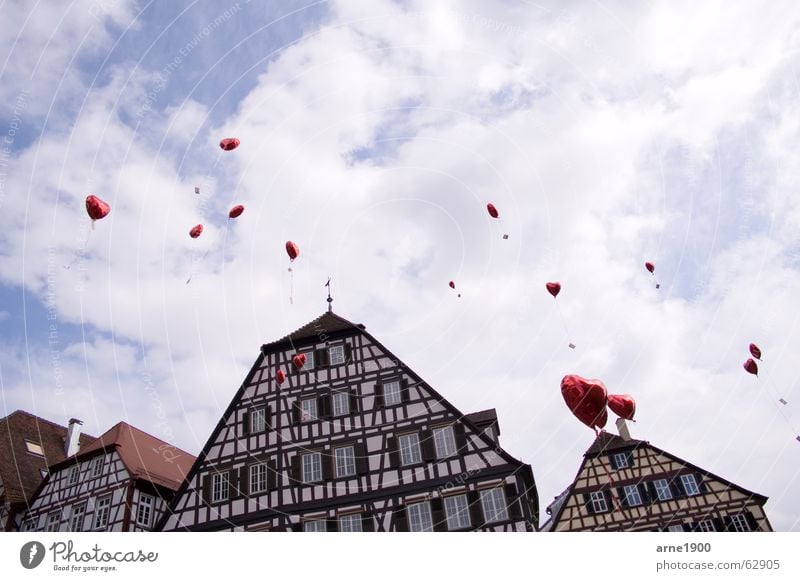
354 440
28 446
120 482
626 484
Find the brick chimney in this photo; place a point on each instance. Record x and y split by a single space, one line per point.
622 428
72 443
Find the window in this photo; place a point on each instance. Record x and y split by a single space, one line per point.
28 525
350 523
341 403
706 526
598 500
632 496
101 509
419 517
312 467
345 459
258 478
494 505
662 489
621 460
336 354
409 449
76 518
309 365
219 486
457 511
690 484
445 442
72 476
144 512
34 448
739 522
391 393
675 528
314 526
97 466
308 410
53 520
258 421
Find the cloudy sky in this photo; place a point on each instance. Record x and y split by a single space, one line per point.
373 134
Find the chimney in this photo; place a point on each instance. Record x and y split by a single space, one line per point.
72 444
622 428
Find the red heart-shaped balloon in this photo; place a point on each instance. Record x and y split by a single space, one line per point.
196 231
622 405
236 211
586 398
280 376
553 288
755 351
299 360
96 208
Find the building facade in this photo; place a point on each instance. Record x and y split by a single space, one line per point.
353 440
120 482
626 484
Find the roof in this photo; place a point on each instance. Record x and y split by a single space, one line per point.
606 442
327 323
483 416
20 470
144 456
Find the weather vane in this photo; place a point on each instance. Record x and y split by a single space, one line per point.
330 300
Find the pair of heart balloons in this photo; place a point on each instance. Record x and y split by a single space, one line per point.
588 398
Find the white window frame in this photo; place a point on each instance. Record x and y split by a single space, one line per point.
340 358
706 526
675 528
97 466
598 500
689 481
662 486
73 476
257 477
344 461
622 460
740 524
456 509
78 512
102 510
410 452
258 420
350 523
309 364
392 396
308 410
444 440
34 448
493 504
419 517
632 495
340 403
28 525
53 521
311 467
220 486
315 526
145 510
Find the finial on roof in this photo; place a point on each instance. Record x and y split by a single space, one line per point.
330 300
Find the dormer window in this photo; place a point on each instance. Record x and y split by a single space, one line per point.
34 448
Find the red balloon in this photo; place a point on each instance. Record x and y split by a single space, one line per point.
586 398
751 367
553 288
292 250
96 208
229 143
196 231
492 211
755 351
622 405
280 376
236 211
650 266
452 284
299 361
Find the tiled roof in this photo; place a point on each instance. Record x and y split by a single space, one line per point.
19 468
327 323
144 456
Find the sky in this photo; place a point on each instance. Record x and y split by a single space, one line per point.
373 134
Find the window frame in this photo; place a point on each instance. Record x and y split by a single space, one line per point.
690 478
596 497
665 488
101 508
310 360
352 519
459 514
706 526
414 507
620 460
676 528
53 527
33 452
452 442
315 469
632 491
79 510
220 493
97 466
316 522
258 414
28 525
304 419
398 395
739 523
331 362
262 478
415 452
73 475
149 507
351 461
486 493
340 396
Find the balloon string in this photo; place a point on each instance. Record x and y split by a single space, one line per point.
291 286
82 250
201 259
564 322
655 278
773 394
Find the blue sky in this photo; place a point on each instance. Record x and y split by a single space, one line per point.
373 134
